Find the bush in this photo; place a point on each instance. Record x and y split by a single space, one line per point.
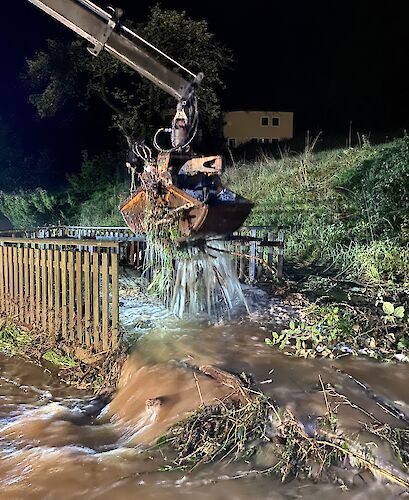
94 194
28 209
101 209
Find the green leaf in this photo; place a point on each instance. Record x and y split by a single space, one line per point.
268 341
388 308
292 325
399 312
162 440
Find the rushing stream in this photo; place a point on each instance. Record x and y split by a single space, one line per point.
57 442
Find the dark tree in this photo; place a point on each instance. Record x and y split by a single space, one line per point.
65 76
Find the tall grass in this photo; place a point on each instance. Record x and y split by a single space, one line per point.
344 207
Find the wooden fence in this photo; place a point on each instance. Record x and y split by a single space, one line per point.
66 288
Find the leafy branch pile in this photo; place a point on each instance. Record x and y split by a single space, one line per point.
380 331
218 431
238 429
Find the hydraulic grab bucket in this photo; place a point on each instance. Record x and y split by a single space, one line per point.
192 200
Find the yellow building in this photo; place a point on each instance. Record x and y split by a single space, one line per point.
257 126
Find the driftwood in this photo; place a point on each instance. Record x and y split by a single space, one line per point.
234 382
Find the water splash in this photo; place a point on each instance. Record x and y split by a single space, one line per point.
200 280
206 281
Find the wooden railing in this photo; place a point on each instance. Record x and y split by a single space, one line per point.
67 288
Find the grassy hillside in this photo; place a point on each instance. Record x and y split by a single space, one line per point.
348 208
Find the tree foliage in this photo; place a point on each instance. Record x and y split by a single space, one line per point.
64 76
28 209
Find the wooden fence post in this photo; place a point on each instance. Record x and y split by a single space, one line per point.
115 300
95 297
87 297
270 237
2 294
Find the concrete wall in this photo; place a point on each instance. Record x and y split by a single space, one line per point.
259 126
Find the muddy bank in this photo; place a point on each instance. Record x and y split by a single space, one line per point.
65 361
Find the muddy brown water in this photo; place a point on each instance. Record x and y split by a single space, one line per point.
57 443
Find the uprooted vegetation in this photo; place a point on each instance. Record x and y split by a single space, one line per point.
248 422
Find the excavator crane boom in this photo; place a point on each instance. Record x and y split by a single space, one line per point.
104 31
192 196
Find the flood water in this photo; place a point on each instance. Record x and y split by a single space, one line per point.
57 442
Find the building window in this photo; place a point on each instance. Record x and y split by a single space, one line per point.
264 121
275 121
231 142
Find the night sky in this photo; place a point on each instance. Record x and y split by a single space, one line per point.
328 62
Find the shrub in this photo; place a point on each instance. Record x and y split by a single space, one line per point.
27 209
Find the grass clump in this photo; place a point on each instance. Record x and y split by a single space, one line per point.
58 358
12 338
377 262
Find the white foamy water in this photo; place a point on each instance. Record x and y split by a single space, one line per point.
206 281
